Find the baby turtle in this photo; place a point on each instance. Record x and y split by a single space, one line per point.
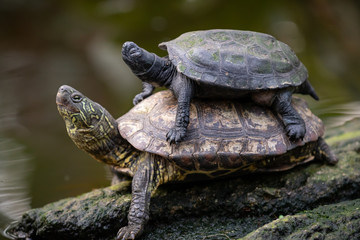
223 64
225 138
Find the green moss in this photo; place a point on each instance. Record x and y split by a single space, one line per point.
348 165
244 37
264 68
266 41
216 56
181 67
220 36
194 73
235 59
343 137
190 41
122 186
340 221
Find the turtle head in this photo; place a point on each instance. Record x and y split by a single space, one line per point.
138 59
78 111
88 124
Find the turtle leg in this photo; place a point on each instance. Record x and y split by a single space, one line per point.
146 92
138 59
143 184
323 152
119 174
294 124
183 90
149 67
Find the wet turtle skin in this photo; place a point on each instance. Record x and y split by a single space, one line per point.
225 138
223 64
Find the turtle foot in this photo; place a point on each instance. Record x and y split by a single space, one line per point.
138 98
295 131
130 49
129 232
175 135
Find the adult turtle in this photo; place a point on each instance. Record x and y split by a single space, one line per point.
223 64
224 138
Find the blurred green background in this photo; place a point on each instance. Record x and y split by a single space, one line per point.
47 43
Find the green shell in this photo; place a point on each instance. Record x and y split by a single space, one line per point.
221 135
236 59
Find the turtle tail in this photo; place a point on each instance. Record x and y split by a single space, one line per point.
306 88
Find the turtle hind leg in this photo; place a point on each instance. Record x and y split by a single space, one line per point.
294 124
324 153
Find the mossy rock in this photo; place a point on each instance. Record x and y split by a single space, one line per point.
224 209
332 222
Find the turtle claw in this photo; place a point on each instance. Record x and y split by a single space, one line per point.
138 98
175 135
295 131
128 232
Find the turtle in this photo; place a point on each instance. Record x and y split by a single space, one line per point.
223 63
226 138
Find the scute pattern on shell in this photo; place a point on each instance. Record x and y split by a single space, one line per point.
236 59
220 132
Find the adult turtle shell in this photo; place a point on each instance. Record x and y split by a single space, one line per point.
236 59
222 135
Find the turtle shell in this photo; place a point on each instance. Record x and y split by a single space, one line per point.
235 59
221 134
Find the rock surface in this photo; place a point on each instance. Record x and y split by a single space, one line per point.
224 209
336 221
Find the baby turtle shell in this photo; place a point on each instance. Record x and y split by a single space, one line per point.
236 59
222 134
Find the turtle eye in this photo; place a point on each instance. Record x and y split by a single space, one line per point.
76 98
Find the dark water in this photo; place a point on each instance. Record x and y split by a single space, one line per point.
47 43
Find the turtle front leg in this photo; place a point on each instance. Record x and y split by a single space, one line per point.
178 132
146 92
294 124
183 90
143 184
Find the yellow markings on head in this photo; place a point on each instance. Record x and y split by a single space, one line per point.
102 131
72 131
73 119
108 121
91 107
87 106
83 117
